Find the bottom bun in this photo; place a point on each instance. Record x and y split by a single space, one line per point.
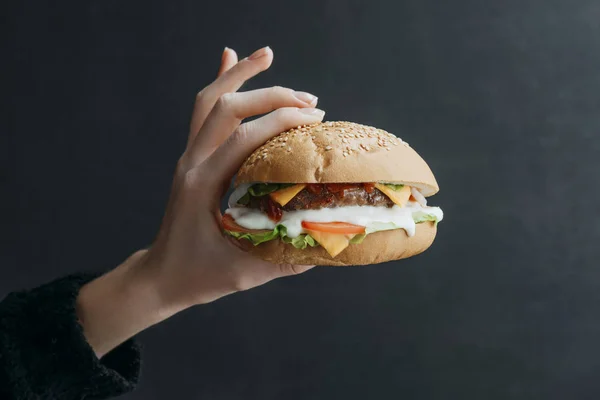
376 248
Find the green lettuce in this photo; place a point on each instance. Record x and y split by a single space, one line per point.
421 216
255 238
394 187
245 199
357 239
261 189
380 226
300 242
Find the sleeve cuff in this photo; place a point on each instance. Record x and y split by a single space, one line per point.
43 350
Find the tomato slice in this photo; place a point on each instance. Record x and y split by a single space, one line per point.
333 227
229 224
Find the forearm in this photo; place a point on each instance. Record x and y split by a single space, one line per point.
120 304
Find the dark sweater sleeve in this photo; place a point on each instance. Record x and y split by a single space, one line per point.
44 354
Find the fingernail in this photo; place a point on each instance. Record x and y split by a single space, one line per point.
312 111
306 97
225 49
259 53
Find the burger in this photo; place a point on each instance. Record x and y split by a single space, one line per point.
334 193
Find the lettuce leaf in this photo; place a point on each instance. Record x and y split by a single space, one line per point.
245 199
255 238
421 216
394 187
300 242
263 189
418 217
380 226
357 239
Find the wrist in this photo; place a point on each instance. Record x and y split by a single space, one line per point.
120 304
147 278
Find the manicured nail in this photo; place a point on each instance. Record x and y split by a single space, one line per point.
306 97
259 53
312 111
225 49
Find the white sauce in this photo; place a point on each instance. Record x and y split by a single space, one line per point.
366 216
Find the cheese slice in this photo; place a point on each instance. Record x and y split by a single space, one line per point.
399 197
283 196
333 243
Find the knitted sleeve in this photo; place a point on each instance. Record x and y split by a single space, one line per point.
44 354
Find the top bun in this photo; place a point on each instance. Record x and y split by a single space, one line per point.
330 152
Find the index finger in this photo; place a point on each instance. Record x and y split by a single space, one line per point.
228 158
230 81
228 60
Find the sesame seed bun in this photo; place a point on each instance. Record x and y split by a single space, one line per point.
339 151
376 248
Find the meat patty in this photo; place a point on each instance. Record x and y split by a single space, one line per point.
316 196
355 196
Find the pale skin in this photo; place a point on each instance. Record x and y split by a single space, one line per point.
191 261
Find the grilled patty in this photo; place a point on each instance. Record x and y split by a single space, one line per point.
316 196
305 200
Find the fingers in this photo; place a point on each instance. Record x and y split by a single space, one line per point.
293 269
228 60
227 159
231 108
230 81
283 270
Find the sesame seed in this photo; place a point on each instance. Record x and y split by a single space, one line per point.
345 154
327 148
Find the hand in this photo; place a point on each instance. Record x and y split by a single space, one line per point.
192 261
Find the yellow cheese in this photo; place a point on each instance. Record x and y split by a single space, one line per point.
334 243
399 197
283 196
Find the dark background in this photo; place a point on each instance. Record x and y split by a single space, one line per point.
500 97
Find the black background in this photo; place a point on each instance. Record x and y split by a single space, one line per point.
501 99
